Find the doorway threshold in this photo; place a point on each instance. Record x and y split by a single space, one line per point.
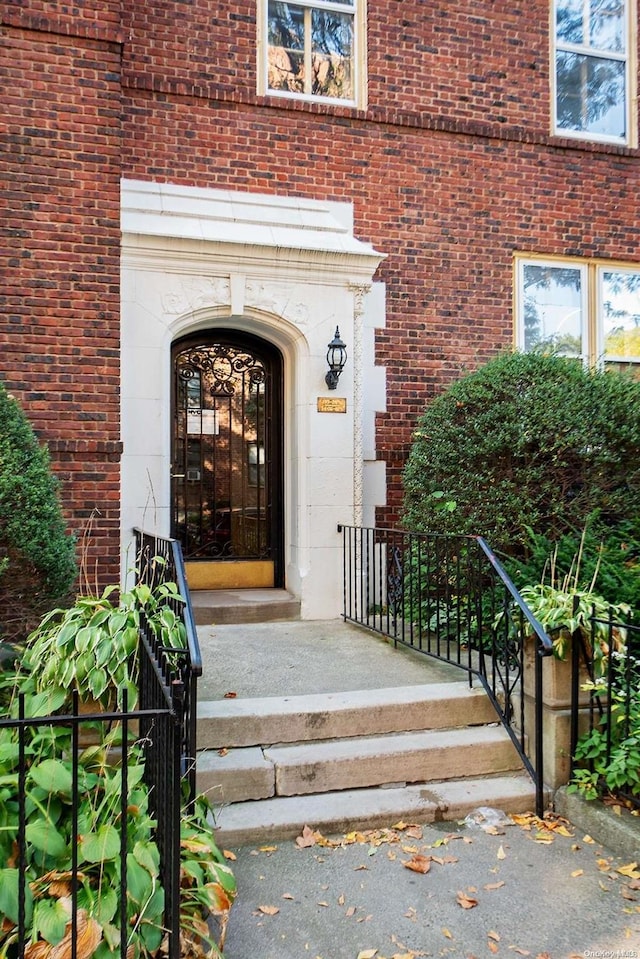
211 606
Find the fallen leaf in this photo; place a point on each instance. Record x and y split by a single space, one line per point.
287 895
525 952
494 885
501 853
223 752
626 894
268 910
634 884
409 848
493 830
411 913
367 953
493 946
589 840
494 935
576 873
323 903
308 838
229 855
350 912
268 848
631 870
418 863
230 695
360 868
464 901
446 933
341 899
415 832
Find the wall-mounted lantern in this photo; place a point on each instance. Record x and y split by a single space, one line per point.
336 358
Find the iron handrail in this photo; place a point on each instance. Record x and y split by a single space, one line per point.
450 598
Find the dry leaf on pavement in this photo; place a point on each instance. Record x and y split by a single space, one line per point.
466 902
418 863
268 910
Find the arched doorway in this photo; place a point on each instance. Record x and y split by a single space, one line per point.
227 463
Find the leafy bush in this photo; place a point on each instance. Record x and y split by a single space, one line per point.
609 753
528 442
37 557
95 642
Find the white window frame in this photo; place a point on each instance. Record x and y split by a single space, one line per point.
591 301
628 58
357 9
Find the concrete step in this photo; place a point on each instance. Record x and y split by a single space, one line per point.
251 722
337 812
224 606
335 764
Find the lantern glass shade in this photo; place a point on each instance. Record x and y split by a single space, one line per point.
336 359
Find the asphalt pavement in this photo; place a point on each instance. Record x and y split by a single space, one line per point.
488 887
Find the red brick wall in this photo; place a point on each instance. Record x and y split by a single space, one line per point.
451 169
59 205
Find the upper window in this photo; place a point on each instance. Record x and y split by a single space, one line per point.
585 309
592 69
311 49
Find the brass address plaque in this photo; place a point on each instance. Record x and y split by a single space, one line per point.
332 404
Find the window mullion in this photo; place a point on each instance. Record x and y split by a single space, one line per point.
308 86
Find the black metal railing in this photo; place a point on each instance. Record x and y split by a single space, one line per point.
59 760
605 705
450 598
159 561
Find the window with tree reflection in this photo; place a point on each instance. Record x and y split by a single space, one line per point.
311 48
584 309
592 40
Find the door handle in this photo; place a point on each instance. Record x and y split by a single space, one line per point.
178 475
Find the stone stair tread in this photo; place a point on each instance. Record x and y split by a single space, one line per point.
245 722
335 812
340 764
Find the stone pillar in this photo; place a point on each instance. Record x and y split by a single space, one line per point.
556 713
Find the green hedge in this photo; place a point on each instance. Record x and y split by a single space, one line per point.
37 556
529 445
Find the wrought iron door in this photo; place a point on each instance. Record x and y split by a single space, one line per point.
226 471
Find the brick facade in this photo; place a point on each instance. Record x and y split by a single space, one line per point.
451 169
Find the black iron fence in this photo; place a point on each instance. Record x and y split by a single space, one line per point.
450 598
605 708
160 561
91 801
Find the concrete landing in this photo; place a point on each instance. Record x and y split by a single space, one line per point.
215 606
307 656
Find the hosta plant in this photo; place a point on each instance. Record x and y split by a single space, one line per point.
90 650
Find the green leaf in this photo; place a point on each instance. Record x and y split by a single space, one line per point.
53 776
102 845
147 855
9 885
107 905
85 639
45 703
50 918
45 837
139 883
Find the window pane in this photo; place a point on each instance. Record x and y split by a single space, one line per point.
332 46
570 21
286 47
620 304
607 25
594 23
590 94
552 308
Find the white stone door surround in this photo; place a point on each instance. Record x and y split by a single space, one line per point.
288 270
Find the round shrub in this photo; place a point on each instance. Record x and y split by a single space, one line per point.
529 442
37 556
